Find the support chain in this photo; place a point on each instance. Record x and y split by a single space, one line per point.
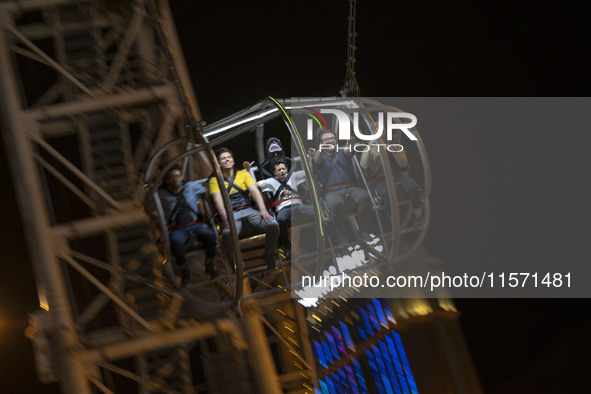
351 87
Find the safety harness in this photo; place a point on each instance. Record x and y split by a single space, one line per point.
174 212
333 164
246 195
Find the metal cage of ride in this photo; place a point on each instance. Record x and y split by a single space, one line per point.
397 242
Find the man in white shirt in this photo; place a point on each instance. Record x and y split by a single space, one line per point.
286 200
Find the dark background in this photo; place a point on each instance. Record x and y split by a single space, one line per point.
505 197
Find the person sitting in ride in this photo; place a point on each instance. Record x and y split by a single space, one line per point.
335 171
372 166
183 218
284 190
248 217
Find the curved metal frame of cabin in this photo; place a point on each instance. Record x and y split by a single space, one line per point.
152 191
221 131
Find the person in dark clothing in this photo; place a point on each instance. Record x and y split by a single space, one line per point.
284 190
335 171
182 214
372 166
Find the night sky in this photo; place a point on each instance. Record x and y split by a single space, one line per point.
497 197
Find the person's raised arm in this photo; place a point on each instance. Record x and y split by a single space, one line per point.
349 146
365 160
247 164
316 155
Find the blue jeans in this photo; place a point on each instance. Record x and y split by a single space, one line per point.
180 235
